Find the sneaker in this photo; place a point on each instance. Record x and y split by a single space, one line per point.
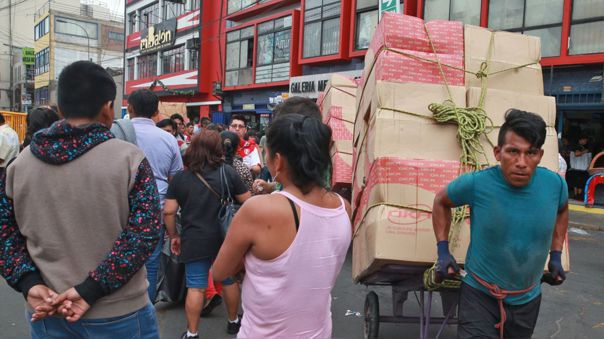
210 306
233 328
184 336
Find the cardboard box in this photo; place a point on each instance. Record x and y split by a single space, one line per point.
342 169
390 234
508 52
341 127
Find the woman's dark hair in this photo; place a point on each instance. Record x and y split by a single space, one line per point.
39 118
304 142
526 125
230 143
205 150
167 122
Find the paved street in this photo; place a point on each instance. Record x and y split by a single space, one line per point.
574 310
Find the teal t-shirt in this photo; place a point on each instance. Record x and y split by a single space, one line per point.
511 227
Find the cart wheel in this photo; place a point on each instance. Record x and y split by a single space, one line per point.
372 316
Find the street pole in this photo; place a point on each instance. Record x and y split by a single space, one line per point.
85 32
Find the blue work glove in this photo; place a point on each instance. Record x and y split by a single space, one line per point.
556 272
444 262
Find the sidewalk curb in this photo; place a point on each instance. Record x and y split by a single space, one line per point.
599 228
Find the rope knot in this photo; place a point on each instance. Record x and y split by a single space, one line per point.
482 72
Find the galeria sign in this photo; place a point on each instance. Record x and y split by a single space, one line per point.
158 37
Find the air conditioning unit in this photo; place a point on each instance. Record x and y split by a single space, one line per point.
193 43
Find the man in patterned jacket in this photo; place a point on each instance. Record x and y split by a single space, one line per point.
79 216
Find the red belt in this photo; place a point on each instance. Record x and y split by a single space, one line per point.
500 294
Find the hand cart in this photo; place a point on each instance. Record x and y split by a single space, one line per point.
405 279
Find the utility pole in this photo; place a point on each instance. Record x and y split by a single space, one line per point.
11 93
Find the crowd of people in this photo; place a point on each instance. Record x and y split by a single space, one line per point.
83 241
89 204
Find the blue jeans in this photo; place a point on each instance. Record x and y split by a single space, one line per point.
197 272
152 266
141 324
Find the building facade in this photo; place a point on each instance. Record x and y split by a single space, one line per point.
63 35
270 49
173 48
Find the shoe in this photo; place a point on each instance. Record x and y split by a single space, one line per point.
233 328
184 336
210 306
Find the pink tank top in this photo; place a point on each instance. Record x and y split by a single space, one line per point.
290 296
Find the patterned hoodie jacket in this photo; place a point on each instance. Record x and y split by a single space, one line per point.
56 146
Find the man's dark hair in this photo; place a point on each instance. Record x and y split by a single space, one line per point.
177 116
205 122
167 122
84 87
2 120
144 103
240 118
298 105
304 142
529 126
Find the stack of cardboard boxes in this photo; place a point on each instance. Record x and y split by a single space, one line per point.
402 156
338 106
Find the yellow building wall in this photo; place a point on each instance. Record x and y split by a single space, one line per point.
43 80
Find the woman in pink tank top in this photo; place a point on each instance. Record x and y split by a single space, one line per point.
292 243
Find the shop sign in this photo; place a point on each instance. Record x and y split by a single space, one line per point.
158 37
248 107
311 85
28 56
389 6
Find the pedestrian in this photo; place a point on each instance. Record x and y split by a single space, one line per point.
39 118
248 150
294 105
168 125
230 144
193 190
580 159
87 225
9 144
519 212
292 243
181 135
161 150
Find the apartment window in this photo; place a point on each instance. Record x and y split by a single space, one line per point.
366 22
41 96
130 68
131 23
115 36
173 60
273 50
239 57
42 28
193 59
193 5
467 11
173 9
321 28
149 16
238 5
147 66
42 61
541 18
587 27
76 27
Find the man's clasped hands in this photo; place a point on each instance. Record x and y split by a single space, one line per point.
46 302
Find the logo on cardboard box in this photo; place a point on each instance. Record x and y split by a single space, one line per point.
411 215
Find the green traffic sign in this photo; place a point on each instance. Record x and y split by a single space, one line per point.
389 6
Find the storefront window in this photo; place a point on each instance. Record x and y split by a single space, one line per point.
173 60
587 27
466 11
273 51
541 18
321 28
147 66
239 57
